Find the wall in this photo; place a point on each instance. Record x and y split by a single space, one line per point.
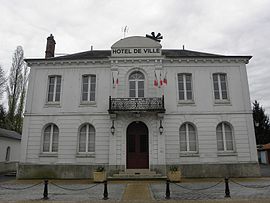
15 150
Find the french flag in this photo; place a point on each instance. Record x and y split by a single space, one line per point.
165 79
156 80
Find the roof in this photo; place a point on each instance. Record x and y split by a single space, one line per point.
105 54
10 134
136 42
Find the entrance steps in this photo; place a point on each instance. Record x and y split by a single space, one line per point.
137 174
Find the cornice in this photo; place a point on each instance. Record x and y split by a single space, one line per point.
67 62
207 60
156 60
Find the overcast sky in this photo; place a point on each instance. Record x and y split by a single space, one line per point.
231 27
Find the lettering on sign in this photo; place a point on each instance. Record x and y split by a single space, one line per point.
136 52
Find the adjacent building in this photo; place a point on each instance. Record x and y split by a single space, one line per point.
10 150
138 106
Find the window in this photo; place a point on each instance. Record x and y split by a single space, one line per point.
188 139
54 88
87 138
88 88
220 86
224 137
185 86
136 84
50 138
8 154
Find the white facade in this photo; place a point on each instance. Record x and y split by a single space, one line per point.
207 119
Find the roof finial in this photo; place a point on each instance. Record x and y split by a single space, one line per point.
183 47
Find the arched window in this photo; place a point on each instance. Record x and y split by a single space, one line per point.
87 138
188 138
8 154
136 84
50 138
224 137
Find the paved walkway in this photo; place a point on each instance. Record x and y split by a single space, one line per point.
137 191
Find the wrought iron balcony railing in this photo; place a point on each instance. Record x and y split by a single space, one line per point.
153 104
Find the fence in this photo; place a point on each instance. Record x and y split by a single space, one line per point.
227 192
46 188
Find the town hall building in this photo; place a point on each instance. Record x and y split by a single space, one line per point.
138 106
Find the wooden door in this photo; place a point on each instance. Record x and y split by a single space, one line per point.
137 146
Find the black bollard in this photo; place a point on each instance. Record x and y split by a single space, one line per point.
45 193
227 189
168 193
105 193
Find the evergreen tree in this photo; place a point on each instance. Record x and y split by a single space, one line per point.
2 116
261 124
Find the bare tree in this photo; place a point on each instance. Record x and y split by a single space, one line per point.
15 85
21 104
2 82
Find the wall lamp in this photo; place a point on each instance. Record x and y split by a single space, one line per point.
112 128
160 128
256 123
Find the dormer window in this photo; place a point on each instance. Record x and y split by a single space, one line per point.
136 84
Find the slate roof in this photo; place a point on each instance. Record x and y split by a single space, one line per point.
105 54
10 134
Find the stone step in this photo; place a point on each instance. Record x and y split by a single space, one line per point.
137 174
137 171
12 174
137 177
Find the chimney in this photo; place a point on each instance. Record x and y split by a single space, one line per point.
49 53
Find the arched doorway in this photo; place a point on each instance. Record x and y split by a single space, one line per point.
137 145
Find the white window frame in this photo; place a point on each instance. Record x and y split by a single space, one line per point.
224 138
87 139
54 88
185 100
219 88
51 139
187 139
136 84
88 101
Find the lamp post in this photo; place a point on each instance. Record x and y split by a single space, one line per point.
160 127
112 128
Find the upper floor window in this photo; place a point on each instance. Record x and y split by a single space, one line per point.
224 137
50 138
88 88
220 86
185 86
136 84
188 138
87 138
54 88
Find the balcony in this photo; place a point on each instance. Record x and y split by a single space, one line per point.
153 104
